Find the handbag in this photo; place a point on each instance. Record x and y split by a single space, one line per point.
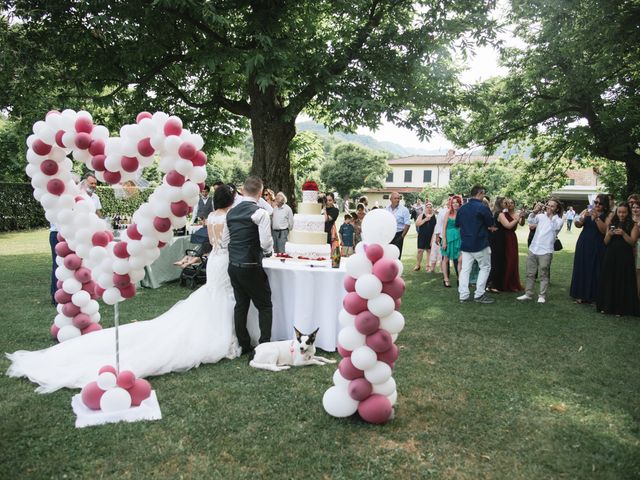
557 245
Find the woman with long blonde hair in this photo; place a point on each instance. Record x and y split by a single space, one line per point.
451 242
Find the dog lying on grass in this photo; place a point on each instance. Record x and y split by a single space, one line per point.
277 356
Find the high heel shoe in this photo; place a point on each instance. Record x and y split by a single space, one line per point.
446 284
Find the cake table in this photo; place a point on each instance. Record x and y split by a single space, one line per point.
307 296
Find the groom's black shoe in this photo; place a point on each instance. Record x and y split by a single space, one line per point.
250 355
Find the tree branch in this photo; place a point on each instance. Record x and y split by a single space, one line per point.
155 70
350 53
233 106
507 133
206 29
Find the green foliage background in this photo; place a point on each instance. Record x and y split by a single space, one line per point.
19 210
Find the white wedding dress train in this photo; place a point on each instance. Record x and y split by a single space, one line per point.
196 330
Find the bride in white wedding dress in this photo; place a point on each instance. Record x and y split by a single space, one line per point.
196 330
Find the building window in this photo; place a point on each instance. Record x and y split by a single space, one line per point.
571 182
390 177
426 176
407 175
385 197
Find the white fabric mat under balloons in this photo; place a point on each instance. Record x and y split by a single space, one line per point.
149 409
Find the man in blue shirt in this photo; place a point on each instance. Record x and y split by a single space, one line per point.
403 220
474 219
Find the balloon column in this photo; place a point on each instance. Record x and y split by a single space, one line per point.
113 391
91 263
370 323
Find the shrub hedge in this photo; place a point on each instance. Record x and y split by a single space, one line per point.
19 210
126 206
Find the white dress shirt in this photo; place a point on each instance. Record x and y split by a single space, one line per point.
96 201
282 218
546 232
261 218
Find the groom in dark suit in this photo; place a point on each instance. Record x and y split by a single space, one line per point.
248 233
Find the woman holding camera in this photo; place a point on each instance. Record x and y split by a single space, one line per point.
587 260
618 291
330 212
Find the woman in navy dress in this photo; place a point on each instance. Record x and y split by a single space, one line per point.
495 282
618 291
590 248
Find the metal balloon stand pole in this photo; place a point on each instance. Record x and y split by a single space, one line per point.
116 323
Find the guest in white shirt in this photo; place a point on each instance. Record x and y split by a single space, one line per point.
548 224
403 220
88 185
281 222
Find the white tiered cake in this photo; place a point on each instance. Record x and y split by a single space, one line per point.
308 238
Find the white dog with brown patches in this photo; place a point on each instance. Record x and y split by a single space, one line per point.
277 356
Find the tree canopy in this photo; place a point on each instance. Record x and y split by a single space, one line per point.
494 177
353 168
227 65
573 91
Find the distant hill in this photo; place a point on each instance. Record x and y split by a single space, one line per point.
366 141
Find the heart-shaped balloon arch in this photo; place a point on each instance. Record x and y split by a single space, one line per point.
91 264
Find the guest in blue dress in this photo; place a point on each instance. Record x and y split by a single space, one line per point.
587 261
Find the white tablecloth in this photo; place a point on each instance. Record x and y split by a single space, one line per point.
306 297
163 270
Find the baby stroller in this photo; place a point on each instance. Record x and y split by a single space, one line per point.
196 274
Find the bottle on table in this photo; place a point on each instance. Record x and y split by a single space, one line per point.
335 258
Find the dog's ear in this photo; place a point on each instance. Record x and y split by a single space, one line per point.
312 337
298 334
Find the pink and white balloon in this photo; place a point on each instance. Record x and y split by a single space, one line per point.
115 267
370 323
113 392
76 296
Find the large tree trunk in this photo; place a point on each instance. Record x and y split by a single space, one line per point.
271 138
633 176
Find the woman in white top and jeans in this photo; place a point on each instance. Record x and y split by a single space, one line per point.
548 224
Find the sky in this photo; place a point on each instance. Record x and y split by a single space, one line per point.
483 65
480 67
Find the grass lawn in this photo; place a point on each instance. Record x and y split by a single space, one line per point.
507 390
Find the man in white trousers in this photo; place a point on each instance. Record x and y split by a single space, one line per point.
474 219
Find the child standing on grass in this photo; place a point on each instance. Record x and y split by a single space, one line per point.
346 237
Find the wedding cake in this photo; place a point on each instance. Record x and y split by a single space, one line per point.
308 240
